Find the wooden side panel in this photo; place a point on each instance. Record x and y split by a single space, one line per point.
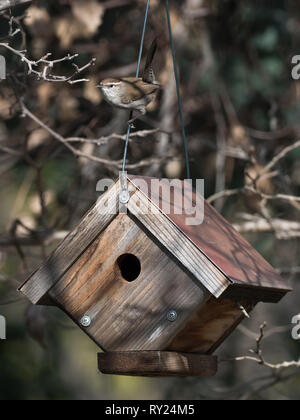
128 315
179 245
210 326
95 221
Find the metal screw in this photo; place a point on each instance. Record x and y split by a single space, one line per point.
85 321
172 316
124 197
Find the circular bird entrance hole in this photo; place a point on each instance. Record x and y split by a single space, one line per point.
129 266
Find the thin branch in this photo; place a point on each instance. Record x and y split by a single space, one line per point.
284 229
230 193
107 162
105 139
8 4
270 135
278 157
225 193
259 358
47 65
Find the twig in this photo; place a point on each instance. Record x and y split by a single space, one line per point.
107 162
278 157
105 139
225 193
8 4
47 65
260 358
230 193
270 135
284 229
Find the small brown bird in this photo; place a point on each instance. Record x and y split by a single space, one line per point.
133 93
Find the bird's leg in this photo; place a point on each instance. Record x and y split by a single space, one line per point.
141 113
134 119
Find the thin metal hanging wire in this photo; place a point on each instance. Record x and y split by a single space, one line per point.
188 173
187 162
137 75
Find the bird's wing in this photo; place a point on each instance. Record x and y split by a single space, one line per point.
149 88
138 90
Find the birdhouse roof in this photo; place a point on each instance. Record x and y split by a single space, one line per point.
212 252
246 272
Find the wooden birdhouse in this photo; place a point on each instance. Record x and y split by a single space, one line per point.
157 290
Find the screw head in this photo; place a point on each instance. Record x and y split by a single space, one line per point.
172 315
85 321
124 197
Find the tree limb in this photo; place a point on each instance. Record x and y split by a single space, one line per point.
7 4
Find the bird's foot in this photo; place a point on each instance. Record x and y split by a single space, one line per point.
131 123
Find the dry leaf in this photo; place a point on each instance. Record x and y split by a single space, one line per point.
263 185
4 109
36 138
173 168
38 22
84 21
45 91
239 138
89 13
66 30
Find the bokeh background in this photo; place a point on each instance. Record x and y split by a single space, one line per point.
241 108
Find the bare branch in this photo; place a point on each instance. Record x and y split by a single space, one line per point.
278 157
105 139
284 229
259 358
270 135
8 4
107 162
225 193
45 73
229 193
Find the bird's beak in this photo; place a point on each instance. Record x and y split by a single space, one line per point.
100 85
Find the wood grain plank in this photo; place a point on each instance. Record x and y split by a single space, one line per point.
210 326
157 364
179 245
94 222
128 315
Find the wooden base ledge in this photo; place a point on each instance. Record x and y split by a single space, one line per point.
157 364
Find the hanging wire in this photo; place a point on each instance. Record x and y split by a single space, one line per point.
187 162
188 173
137 75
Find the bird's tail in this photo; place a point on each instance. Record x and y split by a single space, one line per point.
148 75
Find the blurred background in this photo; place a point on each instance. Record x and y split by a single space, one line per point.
241 109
